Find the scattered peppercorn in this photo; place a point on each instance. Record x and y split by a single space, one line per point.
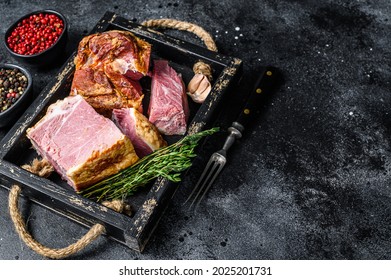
13 83
35 34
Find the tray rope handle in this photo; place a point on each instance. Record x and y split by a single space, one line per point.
199 86
21 228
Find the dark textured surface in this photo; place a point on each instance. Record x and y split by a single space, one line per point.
310 180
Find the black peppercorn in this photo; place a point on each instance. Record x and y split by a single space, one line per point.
12 86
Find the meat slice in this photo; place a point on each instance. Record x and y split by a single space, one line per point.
108 67
143 134
168 108
83 146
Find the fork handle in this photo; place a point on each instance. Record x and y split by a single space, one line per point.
235 132
264 84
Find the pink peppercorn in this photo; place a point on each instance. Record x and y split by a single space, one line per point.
35 34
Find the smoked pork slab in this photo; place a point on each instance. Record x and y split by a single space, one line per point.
108 68
83 146
143 134
168 108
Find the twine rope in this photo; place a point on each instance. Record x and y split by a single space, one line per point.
118 206
203 68
183 25
41 167
62 253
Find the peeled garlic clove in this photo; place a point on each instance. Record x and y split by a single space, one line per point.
199 88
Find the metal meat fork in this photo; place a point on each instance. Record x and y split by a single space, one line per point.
219 158
214 166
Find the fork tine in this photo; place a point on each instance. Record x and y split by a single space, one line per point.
206 181
220 167
206 169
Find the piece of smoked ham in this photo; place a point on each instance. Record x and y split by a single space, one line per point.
168 108
143 134
83 146
108 68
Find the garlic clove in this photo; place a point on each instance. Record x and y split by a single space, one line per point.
194 83
199 88
203 85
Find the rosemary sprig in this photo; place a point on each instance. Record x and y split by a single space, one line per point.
166 162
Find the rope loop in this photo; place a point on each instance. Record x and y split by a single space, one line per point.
185 26
62 253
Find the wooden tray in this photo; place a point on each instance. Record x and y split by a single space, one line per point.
149 203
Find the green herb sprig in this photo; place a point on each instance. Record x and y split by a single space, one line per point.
166 162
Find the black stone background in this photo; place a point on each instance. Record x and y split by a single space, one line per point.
310 179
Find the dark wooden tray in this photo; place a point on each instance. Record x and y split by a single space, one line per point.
149 203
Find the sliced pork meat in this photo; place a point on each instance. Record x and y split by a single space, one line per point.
168 108
83 146
108 67
143 134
